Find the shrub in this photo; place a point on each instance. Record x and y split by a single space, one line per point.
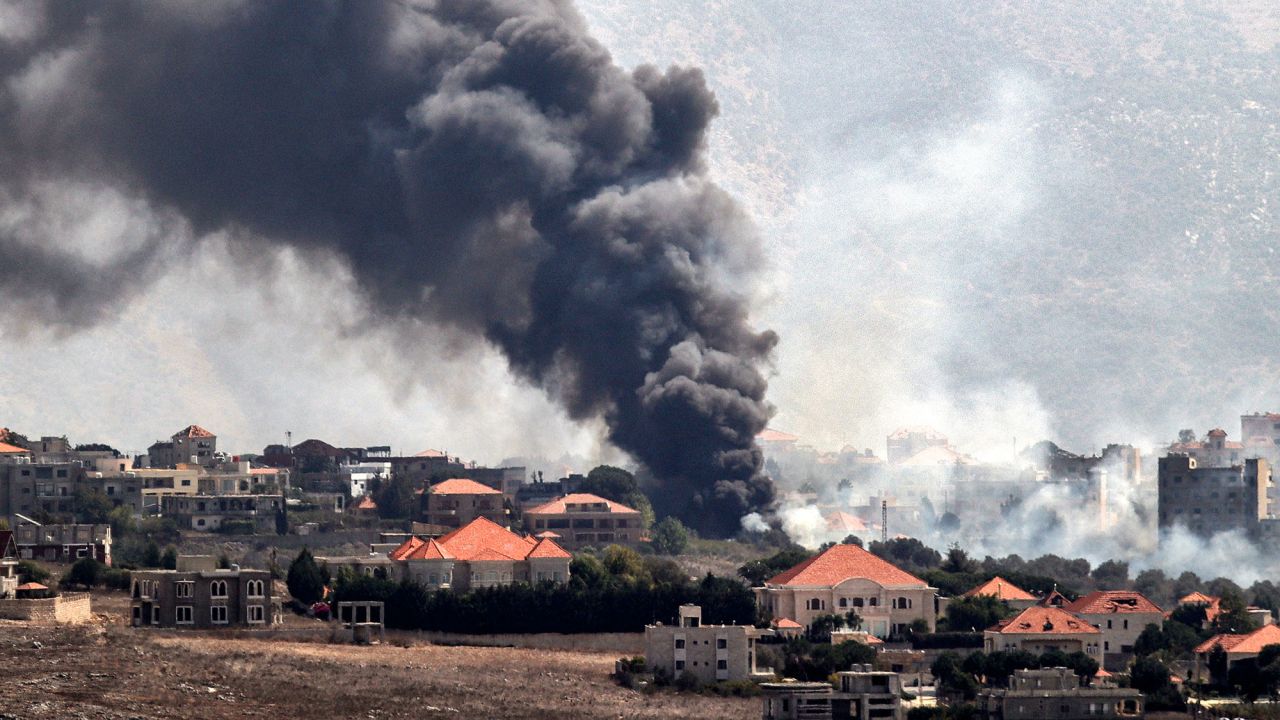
688 682
31 571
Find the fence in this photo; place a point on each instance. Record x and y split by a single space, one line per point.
65 608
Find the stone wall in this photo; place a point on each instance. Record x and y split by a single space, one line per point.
66 608
619 643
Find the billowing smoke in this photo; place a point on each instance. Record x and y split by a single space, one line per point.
480 164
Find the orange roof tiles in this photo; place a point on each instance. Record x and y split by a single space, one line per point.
560 505
1038 620
480 540
430 454
841 521
1103 602
1000 589
786 624
1251 643
1196 598
547 548
193 431
771 435
462 486
842 562
366 503
7 449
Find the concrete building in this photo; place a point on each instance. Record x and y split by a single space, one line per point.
1041 629
193 445
907 442
844 578
1057 693
862 694
584 519
711 653
198 595
359 477
1260 433
1211 500
457 501
1215 450
62 543
1237 647
1121 616
480 554
209 513
29 488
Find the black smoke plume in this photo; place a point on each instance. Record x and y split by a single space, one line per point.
480 163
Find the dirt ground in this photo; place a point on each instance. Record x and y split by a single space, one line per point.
108 670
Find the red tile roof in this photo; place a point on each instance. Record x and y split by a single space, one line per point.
462 486
1000 589
430 454
7 449
1038 620
193 431
366 503
547 548
32 586
786 624
842 562
841 521
560 505
1251 643
1104 602
771 435
480 540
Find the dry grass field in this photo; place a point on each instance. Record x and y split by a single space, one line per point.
108 670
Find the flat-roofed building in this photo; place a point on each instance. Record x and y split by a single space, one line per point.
1212 500
1057 693
197 595
711 653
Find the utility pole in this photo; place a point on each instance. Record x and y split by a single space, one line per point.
884 521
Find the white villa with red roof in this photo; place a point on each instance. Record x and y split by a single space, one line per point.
580 519
1038 630
480 554
1121 616
844 578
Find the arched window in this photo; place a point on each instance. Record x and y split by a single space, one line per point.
857 602
218 589
903 603
255 588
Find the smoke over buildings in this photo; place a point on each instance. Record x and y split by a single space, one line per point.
481 165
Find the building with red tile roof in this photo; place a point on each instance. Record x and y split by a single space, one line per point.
1004 591
9 452
1041 629
585 519
847 577
1237 646
192 444
365 506
842 522
457 501
1121 615
480 554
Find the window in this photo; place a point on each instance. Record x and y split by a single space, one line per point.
679 665
679 643
722 664
218 614
255 588
857 602
218 589
184 589
1126 624
183 615
844 602
256 614
1108 624
721 643
434 578
872 602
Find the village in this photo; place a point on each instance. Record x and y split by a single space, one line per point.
313 546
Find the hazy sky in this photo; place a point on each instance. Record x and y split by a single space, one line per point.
966 225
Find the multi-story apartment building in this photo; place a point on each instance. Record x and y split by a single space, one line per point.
29 488
846 577
581 519
191 445
1215 450
711 653
457 501
1211 500
1121 616
198 595
211 512
1260 433
358 478
862 694
62 543
1057 693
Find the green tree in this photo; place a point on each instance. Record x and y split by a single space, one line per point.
305 581
957 561
86 573
1151 677
669 536
613 483
757 571
1112 575
92 506
151 557
624 563
975 614
30 571
1233 615
169 560
396 498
